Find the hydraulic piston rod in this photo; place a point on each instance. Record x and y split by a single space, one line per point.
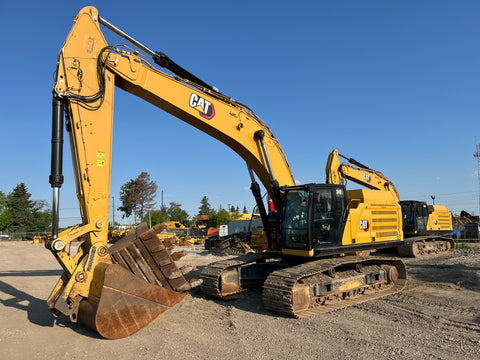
56 174
277 199
159 57
255 188
126 36
354 162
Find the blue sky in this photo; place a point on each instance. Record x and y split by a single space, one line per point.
393 84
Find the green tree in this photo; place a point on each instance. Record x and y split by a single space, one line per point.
234 213
223 217
176 213
146 191
42 216
5 213
245 210
217 218
159 216
137 196
212 218
128 199
21 208
204 206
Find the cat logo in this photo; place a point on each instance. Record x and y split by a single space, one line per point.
367 177
364 225
204 107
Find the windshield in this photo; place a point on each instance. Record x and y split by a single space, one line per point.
327 213
415 217
421 217
407 213
295 226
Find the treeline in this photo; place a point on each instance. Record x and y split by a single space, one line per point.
18 213
174 212
137 199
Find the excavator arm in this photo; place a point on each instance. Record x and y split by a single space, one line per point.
337 172
88 70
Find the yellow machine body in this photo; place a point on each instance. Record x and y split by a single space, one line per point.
439 218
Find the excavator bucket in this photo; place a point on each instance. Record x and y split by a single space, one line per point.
122 304
143 282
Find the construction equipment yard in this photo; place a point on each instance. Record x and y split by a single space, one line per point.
437 316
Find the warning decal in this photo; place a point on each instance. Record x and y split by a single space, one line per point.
100 159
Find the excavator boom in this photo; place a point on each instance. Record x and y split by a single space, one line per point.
355 171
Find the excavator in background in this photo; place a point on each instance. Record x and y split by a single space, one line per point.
467 226
465 218
466 215
117 290
424 226
171 225
422 219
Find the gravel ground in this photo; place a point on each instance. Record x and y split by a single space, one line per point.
437 316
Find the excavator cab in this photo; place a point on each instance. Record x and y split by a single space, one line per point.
415 217
313 216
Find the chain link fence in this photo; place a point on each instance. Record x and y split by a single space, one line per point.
20 236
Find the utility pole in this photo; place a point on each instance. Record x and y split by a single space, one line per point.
476 154
433 198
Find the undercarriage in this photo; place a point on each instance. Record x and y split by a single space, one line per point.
302 289
425 245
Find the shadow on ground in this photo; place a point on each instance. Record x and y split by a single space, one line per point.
36 309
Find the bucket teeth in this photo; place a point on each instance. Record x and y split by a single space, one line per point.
175 274
170 242
143 253
178 255
186 269
195 282
184 287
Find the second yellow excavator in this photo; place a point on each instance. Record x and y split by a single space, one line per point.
313 236
424 226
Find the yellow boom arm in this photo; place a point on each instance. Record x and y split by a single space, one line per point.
87 72
337 172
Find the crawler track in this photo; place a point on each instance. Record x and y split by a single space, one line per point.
215 283
316 287
311 288
425 245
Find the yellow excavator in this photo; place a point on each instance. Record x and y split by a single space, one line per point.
311 235
424 226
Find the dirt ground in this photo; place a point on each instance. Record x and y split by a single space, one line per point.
437 316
